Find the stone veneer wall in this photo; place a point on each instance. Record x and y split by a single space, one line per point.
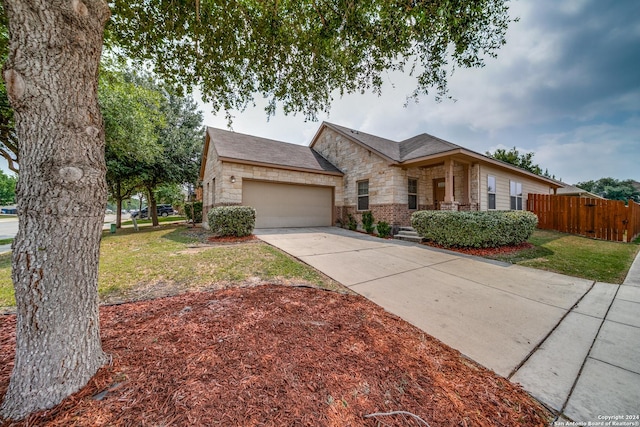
359 163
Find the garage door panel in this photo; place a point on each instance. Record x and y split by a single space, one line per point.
288 205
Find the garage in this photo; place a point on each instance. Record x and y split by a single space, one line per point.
280 205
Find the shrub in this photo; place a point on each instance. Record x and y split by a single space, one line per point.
367 222
236 221
197 209
351 222
384 229
475 229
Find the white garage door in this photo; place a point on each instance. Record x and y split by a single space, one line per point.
288 205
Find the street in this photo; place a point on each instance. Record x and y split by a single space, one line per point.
8 227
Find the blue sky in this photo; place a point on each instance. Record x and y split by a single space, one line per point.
566 87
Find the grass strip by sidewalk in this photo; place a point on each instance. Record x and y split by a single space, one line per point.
171 259
576 256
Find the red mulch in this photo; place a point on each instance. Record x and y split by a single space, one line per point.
231 239
502 250
275 356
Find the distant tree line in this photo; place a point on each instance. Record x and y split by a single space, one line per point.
609 188
613 189
523 161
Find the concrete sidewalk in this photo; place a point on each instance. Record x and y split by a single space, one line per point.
589 367
568 341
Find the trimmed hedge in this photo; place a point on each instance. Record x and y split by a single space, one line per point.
486 229
236 221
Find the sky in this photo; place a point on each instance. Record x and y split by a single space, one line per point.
566 87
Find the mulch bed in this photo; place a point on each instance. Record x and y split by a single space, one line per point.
274 356
485 252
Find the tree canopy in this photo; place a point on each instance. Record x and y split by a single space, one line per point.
7 189
132 117
8 140
524 160
179 144
297 53
613 189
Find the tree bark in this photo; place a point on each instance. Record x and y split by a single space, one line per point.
152 206
52 78
118 197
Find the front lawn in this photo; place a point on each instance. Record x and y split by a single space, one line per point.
576 256
173 259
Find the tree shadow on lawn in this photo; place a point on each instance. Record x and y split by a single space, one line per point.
181 233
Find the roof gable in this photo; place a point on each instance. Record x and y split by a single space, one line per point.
421 148
424 145
385 147
233 146
418 146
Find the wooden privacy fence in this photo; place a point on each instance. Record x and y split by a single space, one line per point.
596 218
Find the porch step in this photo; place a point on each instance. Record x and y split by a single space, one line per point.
408 234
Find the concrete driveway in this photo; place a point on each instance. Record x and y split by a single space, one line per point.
499 315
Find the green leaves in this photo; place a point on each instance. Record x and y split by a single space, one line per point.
523 161
153 136
236 221
297 54
613 189
7 189
475 229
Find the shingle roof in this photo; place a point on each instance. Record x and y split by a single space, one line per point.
418 146
248 148
424 145
386 147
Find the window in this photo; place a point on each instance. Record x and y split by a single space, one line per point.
491 191
515 191
363 195
412 190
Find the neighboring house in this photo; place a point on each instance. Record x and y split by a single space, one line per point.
572 190
344 171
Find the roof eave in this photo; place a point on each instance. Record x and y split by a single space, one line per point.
205 154
486 159
278 166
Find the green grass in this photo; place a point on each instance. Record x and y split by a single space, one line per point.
171 259
6 241
6 285
577 256
161 219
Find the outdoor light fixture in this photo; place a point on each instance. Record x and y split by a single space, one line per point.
233 179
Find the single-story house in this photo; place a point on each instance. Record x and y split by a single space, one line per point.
344 171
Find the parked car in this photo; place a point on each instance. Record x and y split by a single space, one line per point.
163 210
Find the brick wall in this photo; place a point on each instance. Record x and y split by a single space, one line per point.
395 214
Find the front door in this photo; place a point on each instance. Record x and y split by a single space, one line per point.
438 193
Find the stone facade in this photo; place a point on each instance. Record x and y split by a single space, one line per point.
388 184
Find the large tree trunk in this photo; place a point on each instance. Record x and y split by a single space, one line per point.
118 197
51 77
152 206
